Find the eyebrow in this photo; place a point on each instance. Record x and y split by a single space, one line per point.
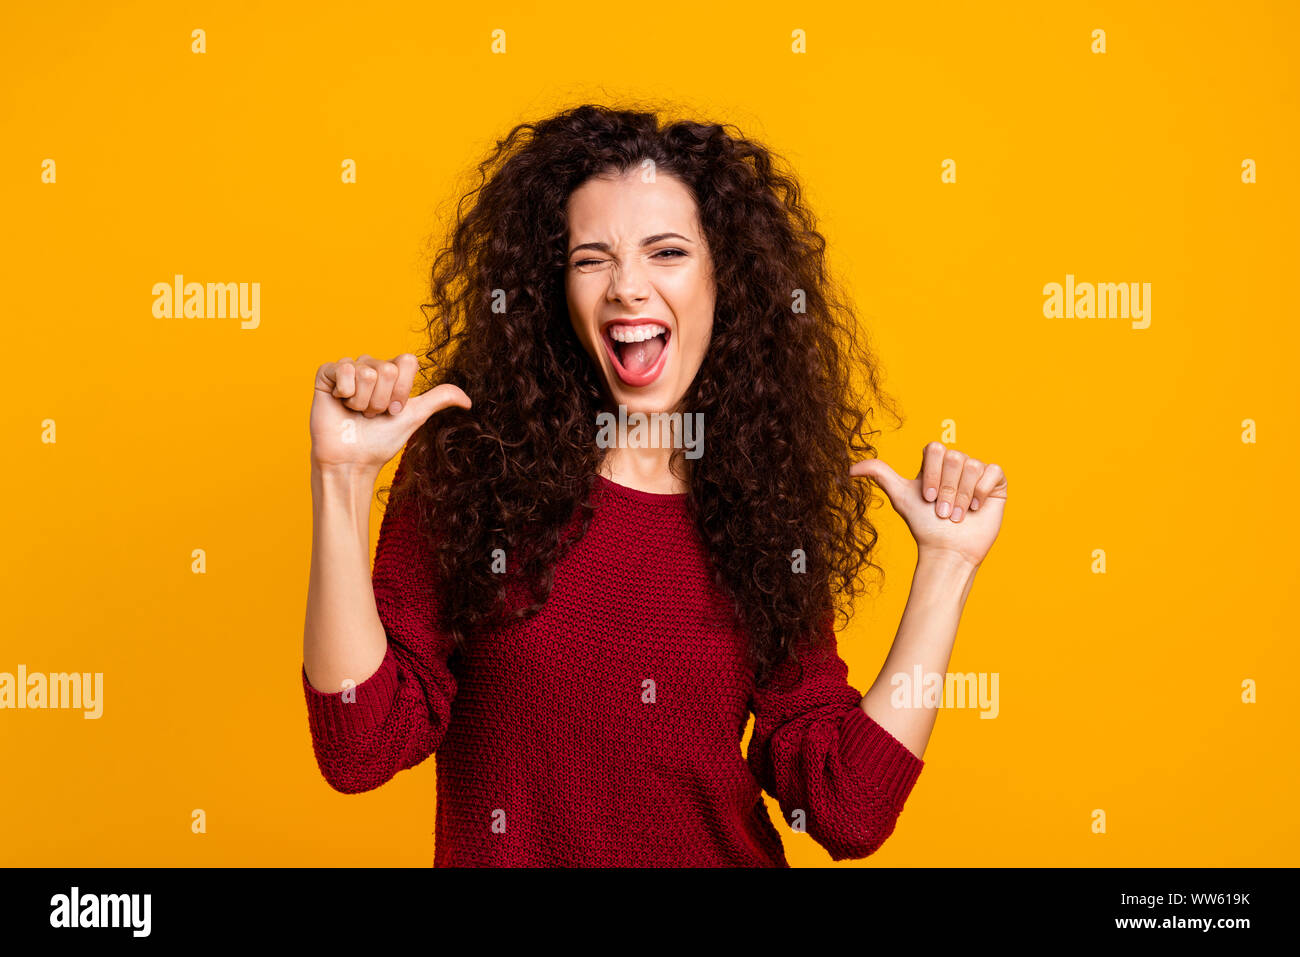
604 247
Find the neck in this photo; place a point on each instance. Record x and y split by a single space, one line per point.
647 470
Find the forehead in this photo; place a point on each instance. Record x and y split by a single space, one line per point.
616 203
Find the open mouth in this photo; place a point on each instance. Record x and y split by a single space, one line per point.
639 350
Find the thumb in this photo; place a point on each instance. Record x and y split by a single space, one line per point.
436 399
894 485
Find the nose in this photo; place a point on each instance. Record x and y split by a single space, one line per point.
627 284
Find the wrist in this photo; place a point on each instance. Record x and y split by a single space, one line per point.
345 470
946 558
944 572
343 478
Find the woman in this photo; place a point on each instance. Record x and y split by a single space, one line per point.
579 619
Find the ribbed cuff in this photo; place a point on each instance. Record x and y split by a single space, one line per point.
865 744
333 718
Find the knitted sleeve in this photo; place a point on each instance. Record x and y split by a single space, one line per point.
817 752
397 717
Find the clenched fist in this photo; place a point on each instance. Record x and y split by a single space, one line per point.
362 411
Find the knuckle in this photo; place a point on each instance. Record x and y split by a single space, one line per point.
934 447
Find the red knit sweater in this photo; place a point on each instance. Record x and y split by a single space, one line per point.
606 730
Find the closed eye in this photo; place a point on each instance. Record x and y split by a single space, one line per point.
673 254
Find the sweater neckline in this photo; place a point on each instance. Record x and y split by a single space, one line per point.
649 498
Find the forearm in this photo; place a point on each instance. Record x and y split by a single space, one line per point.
343 637
925 639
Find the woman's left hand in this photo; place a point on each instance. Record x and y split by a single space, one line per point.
953 505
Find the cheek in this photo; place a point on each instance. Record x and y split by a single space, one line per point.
578 317
696 318
700 332
699 343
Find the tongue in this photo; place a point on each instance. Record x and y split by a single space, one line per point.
637 357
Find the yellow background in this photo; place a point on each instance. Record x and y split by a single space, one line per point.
1118 691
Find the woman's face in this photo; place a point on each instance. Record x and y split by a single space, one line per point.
639 282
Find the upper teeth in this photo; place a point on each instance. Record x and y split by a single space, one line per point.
635 333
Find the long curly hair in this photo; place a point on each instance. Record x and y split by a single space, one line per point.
785 385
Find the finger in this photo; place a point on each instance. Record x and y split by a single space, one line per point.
383 394
931 470
407 367
436 399
990 480
952 466
366 377
970 474
879 471
326 377
345 378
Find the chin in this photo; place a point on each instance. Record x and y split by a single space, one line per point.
644 401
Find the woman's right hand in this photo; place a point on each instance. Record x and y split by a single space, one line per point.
362 412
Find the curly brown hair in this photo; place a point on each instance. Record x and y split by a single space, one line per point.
785 410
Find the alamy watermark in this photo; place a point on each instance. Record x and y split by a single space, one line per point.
933 690
84 690
1102 300
179 299
654 430
75 909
